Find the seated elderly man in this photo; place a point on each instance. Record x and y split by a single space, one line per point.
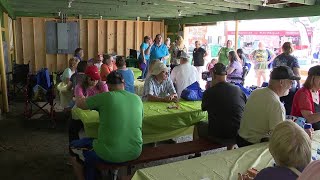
264 110
224 103
184 75
158 87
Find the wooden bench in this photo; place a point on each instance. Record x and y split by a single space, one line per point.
150 154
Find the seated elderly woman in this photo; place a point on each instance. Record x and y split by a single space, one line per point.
290 146
306 100
107 66
69 71
64 87
234 70
158 87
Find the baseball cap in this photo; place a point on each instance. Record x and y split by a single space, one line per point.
184 55
115 78
219 69
92 72
283 72
314 71
158 67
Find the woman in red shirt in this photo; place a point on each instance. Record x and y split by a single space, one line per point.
306 100
107 67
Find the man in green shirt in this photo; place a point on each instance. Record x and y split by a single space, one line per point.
120 129
224 53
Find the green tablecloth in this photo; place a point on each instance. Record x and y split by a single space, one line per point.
159 122
136 72
138 87
222 165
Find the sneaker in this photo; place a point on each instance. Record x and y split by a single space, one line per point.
196 155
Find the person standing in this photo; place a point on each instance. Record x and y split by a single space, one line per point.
261 58
78 54
143 57
224 53
158 50
286 59
176 51
198 60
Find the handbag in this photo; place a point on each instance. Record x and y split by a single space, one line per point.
192 92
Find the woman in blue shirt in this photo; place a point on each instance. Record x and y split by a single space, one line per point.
158 50
127 74
143 57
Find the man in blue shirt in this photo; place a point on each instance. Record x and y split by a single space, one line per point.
158 50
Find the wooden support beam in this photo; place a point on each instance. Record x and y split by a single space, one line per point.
7 8
137 33
7 40
247 15
236 35
3 79
14 39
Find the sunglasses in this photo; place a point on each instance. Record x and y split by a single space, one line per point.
165 72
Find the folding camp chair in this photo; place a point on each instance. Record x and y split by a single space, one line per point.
40 101
19 77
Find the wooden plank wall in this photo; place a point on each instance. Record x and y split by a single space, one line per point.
96 36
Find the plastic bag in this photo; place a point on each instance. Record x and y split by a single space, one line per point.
192 92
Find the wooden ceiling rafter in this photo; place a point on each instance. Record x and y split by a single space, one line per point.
165 9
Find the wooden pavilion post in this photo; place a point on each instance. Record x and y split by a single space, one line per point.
236 35
4 92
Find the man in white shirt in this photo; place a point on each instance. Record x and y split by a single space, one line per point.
184 75
263 110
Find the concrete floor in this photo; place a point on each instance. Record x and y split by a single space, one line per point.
30 149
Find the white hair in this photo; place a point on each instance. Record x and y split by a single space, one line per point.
290 145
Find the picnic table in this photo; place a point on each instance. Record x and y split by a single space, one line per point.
159 122
221 165
136 72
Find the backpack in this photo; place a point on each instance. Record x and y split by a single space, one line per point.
43 78
43 84
192 92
